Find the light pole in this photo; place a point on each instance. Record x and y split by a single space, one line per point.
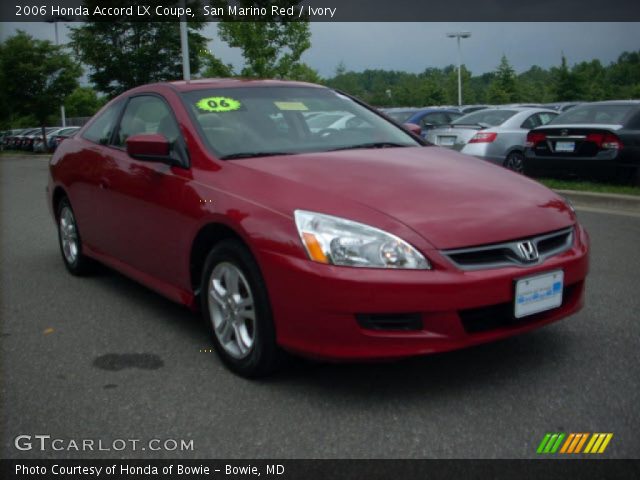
459 35
55 21
184 46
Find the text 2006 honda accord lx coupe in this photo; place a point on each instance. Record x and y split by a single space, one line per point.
354 243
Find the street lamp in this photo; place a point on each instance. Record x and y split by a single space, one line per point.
184 45
459 35
55 20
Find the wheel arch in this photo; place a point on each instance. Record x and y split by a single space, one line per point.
208 236
58 194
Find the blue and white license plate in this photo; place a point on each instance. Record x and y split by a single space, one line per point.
538 293
565 146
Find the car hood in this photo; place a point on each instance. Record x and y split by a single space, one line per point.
451 200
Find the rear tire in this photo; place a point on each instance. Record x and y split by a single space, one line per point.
70 241
515 162
236 307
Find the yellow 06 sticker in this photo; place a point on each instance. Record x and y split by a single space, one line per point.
218 104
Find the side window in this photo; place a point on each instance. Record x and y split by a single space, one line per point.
147 114
546 117
532 122
100 130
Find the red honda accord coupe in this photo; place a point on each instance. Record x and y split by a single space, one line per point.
299 219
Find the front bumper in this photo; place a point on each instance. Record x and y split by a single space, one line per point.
315 306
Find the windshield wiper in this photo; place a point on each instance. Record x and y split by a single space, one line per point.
370 145
253 154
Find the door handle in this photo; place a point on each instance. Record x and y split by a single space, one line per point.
104 184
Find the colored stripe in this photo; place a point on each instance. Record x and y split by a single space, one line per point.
558 442
550 443
543 443
606 442
574 443
594 437
567 443
579 446
596 445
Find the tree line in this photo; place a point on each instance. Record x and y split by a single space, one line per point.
585 81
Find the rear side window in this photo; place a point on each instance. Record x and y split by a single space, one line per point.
102 127
594 113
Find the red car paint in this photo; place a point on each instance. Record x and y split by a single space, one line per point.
142 219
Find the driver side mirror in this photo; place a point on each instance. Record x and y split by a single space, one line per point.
412 128
150 147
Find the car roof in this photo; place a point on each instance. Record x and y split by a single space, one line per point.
614 102
203 83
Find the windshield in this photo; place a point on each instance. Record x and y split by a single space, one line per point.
607 114
490 118
258 121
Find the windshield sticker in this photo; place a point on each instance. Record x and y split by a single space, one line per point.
291 106
218 104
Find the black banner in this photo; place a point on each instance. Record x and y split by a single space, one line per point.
582 469
323 10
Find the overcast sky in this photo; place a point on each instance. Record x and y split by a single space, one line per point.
413 47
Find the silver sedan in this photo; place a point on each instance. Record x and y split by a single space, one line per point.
495 134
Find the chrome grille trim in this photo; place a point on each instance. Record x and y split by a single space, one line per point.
506 254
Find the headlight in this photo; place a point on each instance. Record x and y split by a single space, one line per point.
338 241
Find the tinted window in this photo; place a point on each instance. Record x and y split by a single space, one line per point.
147 114
485 117
608 114
102 127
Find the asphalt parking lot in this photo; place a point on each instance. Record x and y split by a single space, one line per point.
105 358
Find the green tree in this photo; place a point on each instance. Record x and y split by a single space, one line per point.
123 54
42 76
566 84
503 88
271 47
83 102
213 67
304 73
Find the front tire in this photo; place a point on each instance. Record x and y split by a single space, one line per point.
515 162
70 241
236 307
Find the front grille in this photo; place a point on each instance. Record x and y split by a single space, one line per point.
390 321
493 317
522 252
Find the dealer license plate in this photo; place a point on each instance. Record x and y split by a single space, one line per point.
538 293
565 146
446 141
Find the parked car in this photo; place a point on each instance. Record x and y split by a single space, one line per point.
15 142
465 109
400 114
358 243
30 138
600 139
430 118
494 134
54 137
561 106
38 142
